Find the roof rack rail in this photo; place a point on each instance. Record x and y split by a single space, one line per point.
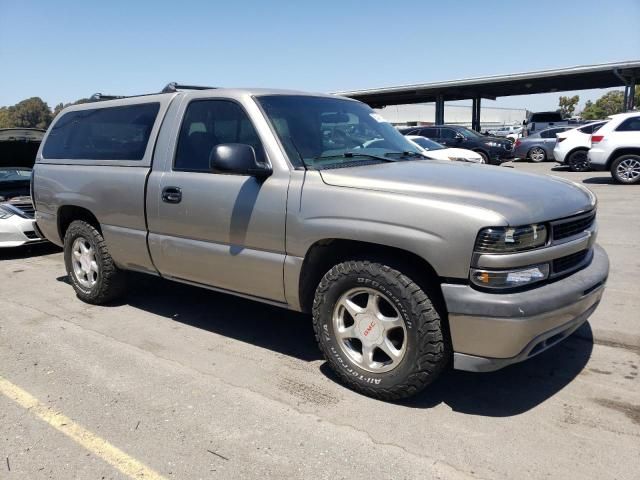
97 97
174 87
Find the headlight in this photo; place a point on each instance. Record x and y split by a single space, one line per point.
465 159
511 239
509 278
5 212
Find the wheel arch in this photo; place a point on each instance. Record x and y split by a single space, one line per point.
326 253
618 152
69 213
576 149
483 151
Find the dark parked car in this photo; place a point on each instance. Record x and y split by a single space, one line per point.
538 147
493 150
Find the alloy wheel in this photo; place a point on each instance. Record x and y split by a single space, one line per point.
85 265
578 162
370 330
628 170
537 155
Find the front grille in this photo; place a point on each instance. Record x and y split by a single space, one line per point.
31 234
571 227
26 208
568 263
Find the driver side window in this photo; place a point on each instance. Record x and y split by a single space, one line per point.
208 123
447 133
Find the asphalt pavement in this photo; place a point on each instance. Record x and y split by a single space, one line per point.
179 382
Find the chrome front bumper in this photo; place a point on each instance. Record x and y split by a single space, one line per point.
490 330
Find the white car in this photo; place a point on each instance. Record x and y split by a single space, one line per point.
616 147
439 152
512 133
572 146
17 226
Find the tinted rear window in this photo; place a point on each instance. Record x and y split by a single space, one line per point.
112 133
591 128
545 117
429 132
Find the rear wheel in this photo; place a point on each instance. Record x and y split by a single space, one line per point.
626 169
578 161
91 270
378 330
537 155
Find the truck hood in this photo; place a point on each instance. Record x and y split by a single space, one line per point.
519 197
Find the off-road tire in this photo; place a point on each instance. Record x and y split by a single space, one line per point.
110 283
427 351
578 162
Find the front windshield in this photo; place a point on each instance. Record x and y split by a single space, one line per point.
8 175
426 143
321 132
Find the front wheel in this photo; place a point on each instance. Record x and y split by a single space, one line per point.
378 330
91 270
626 169
484 158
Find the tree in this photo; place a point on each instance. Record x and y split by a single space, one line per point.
32 113
29 113
568 105
5 120
58 108
608 104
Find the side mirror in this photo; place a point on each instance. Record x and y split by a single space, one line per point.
239 159
459 137
524 122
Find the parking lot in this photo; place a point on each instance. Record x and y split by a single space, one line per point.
180 382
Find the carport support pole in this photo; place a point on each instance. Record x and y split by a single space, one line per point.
629 90
475 114
439 109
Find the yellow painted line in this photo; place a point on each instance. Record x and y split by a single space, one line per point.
88 440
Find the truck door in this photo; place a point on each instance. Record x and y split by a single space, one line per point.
220 230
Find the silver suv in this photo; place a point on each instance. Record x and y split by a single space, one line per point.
314 203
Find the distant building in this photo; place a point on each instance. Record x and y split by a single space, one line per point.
424 114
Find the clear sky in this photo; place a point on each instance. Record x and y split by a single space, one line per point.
63 50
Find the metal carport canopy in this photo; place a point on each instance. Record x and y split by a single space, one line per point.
584 77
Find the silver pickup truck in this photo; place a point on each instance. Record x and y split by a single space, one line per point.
314 203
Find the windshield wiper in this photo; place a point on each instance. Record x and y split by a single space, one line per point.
354 155
406 153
